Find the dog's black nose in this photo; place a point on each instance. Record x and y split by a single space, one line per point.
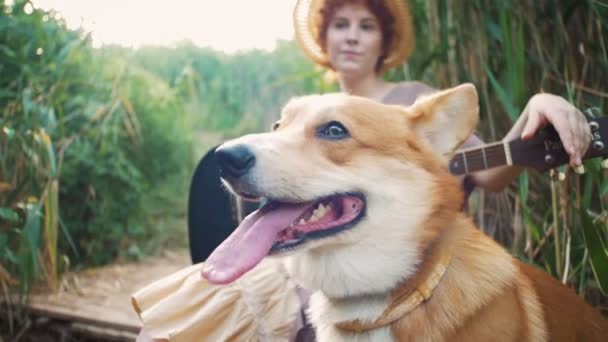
234 161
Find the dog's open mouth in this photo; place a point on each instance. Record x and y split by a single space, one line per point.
323 218
279 227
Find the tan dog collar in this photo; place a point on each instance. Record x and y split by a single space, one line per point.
401 307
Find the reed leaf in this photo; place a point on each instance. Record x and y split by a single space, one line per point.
598 254
503 96
51 229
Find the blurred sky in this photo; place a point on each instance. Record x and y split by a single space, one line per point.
226 25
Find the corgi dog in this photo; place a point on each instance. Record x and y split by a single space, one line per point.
364 213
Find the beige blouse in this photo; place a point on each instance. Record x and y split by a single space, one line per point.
262 305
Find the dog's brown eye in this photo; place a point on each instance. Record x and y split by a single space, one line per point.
275 126
333 130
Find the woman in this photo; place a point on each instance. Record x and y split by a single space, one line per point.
357 41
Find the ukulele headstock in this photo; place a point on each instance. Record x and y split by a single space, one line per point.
545 150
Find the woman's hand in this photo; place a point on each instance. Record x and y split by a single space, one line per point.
568 121
542 109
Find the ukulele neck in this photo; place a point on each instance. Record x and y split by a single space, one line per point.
481 158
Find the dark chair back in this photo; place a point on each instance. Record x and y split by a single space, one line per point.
213 212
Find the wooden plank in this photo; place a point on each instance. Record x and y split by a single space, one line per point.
101 298
106 334
79 310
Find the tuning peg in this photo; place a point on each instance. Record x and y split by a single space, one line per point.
580 169
592 112
605 163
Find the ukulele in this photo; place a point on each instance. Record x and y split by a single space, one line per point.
542 152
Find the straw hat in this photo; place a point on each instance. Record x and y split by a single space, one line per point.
307 22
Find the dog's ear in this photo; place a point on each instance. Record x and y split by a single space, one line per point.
446 118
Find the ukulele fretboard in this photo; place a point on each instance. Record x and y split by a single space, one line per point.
480 158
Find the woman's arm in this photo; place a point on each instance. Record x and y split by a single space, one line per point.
542 109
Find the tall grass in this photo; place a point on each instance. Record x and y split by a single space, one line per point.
85 140
233 94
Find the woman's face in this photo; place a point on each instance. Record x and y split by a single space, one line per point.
354 40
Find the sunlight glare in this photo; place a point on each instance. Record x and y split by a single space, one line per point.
227 25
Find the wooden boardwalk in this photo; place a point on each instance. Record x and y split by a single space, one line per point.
98 300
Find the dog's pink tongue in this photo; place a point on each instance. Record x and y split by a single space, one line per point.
250 242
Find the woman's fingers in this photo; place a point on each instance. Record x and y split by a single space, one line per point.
533 124
584 132
563 126
574 132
